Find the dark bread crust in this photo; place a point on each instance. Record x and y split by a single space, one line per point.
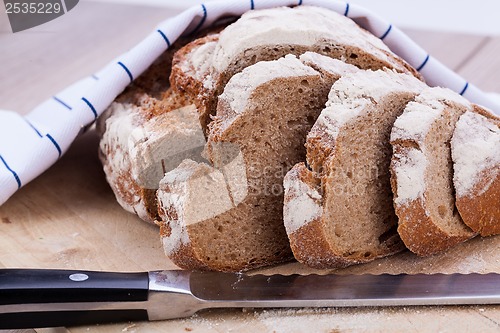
187 87
155 82
319 148
420 234
185 257
481 210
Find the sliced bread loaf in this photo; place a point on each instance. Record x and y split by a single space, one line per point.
339 212
263 35
199 75
422 172
262 119
475 149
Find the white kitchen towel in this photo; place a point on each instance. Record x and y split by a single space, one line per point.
29 145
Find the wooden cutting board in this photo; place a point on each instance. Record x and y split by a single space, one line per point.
68 218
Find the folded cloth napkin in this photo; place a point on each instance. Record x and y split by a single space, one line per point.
31 144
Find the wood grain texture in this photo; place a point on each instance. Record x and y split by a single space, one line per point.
68 217
451 49
483 69
39 62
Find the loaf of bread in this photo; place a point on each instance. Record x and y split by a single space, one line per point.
338 208
422 172
475 150
231 95
200 70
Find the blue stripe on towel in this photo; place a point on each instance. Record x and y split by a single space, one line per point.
12 172
424 63
126 70
465 88
252 5
386 33
55 144
90 106
203 18
346 9
62 102
164 37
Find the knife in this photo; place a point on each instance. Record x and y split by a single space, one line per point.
34 298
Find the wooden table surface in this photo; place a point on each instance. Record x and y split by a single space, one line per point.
68 217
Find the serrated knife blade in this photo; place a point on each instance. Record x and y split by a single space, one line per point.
31 298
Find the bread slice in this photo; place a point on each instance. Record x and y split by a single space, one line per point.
475 149
422 172
339 212
232 220
264 35
148 130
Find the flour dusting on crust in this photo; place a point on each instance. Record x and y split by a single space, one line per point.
475 149
240 87
409 167
305 25
121 120
171 201
190 194
302 202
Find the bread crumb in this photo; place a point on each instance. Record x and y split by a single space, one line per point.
128 327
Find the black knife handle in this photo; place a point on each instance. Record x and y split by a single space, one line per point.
26 320
23 286
22 290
